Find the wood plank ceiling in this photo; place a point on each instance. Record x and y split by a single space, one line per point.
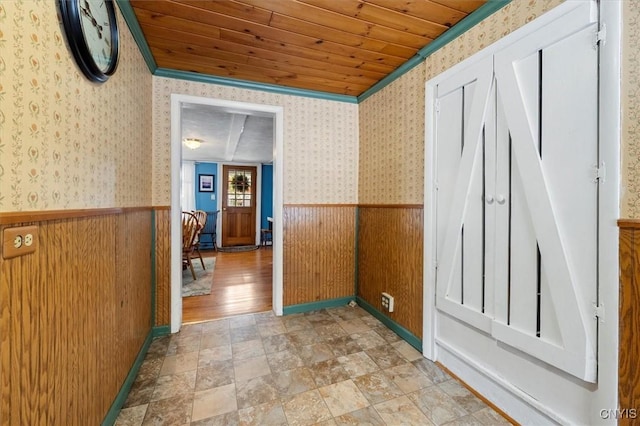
335 46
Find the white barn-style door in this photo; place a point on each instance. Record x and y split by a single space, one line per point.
516 202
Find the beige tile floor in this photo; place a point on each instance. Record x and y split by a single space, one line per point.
336 366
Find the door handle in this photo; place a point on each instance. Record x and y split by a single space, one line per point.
501 199
489 199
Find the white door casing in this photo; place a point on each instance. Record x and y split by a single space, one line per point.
278 185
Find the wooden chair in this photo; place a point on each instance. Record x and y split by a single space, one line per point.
210 228
202 221
266 234
190 229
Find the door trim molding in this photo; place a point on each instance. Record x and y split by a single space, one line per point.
278 184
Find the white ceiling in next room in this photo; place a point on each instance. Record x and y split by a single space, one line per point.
227 135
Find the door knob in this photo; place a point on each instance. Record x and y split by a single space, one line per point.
500 199
489 199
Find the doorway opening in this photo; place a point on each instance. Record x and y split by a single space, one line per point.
275 113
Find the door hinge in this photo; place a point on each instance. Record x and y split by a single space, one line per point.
599 173
437 106
598 311
600 36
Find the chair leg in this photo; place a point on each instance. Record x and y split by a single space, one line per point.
193 272
200 256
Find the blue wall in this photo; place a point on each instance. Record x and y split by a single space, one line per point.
203 199
267 194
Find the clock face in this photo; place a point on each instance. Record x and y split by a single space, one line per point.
96 27
92 34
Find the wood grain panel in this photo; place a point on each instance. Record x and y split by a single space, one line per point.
466 6
319 253
629 352
387 17
309 44
305 52
73 317
390 258
163 267
441 14
340 28
224 50
156 14
193 63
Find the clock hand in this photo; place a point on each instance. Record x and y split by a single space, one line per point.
88 14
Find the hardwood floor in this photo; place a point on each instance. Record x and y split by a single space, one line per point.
242 284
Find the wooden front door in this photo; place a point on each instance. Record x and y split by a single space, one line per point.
239 206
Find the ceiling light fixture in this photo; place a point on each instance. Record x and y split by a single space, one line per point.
192 143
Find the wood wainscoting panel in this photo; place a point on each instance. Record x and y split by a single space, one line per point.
163 266
390 259
629 345
73 317
319 252
134 236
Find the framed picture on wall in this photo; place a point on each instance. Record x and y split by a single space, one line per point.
206 183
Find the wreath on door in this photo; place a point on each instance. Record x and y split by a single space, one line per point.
240 183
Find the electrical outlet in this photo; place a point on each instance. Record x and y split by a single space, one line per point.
19 240
387 302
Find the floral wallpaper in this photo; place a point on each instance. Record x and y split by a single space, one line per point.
320 141
630 204
392 120
392 143
67 143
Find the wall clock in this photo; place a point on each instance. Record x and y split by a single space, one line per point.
92 34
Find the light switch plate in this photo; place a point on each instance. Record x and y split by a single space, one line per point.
19 240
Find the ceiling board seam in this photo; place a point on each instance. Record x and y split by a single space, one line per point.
313 40
418 22
422 16
366 37
290 59
453 8
271 72
333 16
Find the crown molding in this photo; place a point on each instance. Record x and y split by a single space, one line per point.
250 85
134 26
